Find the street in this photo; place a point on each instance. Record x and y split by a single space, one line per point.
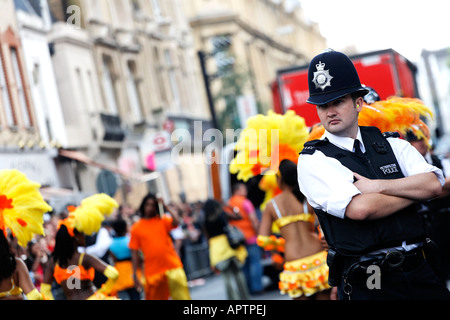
213 288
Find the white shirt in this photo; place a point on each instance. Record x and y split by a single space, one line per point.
328 185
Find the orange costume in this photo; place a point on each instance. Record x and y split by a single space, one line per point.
81 273
163 269
61 274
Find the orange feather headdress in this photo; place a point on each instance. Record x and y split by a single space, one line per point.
395 114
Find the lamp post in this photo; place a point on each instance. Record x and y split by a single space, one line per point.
224 64
206 79
220 43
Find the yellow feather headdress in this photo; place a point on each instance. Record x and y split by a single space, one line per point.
22 207
266 141
89 215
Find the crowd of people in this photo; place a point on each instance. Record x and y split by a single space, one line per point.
152 256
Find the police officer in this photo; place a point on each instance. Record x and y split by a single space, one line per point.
364 187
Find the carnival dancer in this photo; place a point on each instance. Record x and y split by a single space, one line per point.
75 271
164 274
21 214
266 142
305 274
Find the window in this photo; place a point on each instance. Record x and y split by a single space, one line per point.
133 92
75 118
137 10
24 108
156 8
159 74
173 80
109 86
10 116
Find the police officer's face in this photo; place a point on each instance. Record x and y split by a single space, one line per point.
340 117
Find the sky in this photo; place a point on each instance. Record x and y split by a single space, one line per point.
407 26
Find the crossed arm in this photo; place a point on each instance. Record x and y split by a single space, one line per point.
380 198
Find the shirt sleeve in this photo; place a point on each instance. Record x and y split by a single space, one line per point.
101 245
326 183
411 161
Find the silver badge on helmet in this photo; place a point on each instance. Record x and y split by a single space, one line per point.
322 78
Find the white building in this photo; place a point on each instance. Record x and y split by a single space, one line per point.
434 85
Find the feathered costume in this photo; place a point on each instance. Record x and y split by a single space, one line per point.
22 207
266 141
87 218
263 144
22 211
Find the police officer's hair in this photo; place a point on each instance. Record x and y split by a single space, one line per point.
356 95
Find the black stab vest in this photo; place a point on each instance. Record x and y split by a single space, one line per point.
351 237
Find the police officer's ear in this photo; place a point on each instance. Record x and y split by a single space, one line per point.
359 103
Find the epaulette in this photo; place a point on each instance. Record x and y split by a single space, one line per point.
391 134
310 146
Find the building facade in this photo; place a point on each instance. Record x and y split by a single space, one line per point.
131 65
264 36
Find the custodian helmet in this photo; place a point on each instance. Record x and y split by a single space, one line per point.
332 75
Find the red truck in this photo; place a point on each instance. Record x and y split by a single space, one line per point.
386 71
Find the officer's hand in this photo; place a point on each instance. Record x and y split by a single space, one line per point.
366 185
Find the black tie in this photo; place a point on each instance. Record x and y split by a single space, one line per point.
357 147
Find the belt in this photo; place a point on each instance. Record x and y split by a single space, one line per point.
388 261
356 269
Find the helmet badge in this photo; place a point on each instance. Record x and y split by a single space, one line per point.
322 78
